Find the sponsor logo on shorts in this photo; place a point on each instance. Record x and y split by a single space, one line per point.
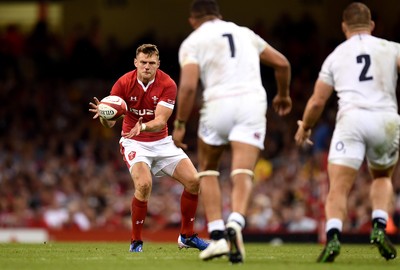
340 147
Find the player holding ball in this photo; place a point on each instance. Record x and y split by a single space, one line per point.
147 148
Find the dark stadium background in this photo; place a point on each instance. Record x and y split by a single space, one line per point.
61 172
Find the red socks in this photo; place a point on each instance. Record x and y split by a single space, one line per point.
138 215
188 211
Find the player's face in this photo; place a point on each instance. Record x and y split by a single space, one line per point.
146 66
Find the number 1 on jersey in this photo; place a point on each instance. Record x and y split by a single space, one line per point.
231 44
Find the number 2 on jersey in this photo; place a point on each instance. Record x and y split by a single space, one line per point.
231 44
367 63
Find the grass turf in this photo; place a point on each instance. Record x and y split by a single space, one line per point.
166 256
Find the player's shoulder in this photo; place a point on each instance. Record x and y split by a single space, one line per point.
163 78
128 76
234 27
214 27
373 42
126 80
389 43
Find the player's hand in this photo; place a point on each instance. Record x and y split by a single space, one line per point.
302 136
94 107
282 105
134 131
177 136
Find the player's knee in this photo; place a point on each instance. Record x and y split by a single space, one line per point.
192 185
144 188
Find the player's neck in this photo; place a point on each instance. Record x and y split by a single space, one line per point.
350 34
357 29
199 21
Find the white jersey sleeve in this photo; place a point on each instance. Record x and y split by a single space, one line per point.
363 72
228 56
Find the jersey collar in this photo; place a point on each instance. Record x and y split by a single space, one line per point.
147 86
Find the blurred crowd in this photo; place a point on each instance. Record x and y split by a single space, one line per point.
61 169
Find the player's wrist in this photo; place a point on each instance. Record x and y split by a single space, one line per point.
305 127
178 124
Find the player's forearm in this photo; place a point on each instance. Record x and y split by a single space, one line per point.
107 123
312 114
282 76
186 100
153 125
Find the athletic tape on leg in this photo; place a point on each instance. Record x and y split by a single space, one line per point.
245 171
207 173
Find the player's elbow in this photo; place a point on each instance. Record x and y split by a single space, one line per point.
283 65
187 89
283 62
317 104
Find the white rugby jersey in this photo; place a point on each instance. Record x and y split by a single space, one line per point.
228 57
363 72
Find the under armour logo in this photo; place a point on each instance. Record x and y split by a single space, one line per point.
192 219
139 222
133 98
154 98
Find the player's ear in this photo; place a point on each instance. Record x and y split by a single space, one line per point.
192 21
344 28
372 26
135 62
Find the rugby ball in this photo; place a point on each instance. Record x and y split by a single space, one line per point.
112 108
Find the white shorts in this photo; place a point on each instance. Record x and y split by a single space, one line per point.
362 133
240 118
161 156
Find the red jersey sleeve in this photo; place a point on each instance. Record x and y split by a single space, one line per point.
168 96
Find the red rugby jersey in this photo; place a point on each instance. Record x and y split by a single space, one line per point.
142 103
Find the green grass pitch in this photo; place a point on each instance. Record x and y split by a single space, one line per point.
167 256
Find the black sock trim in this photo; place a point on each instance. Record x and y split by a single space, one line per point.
379 223
216 235
331 234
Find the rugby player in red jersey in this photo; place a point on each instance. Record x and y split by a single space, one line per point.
147 148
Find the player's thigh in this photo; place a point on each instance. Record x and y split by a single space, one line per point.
250 125
141 175
168 156
383 141
209 156
137 158
214 126
347 146
185 173
341 178
244 155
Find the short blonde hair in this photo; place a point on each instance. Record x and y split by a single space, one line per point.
148 49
